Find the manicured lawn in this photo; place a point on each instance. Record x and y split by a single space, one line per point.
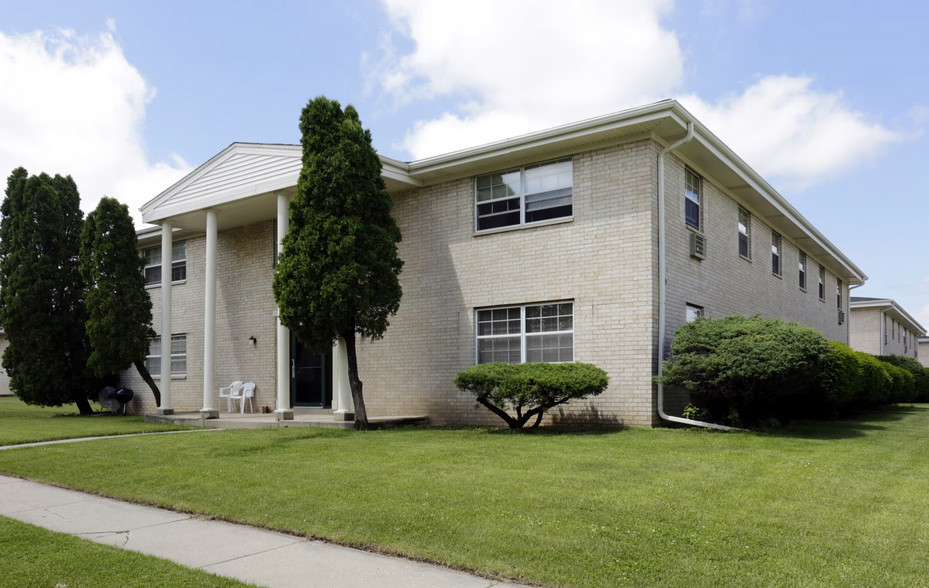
21 423
34 557
835 504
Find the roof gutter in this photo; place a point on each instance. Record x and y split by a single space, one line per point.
662 288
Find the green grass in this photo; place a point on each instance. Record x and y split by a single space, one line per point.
835 504
21 423
34 557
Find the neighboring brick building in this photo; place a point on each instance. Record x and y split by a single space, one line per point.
923 351
542 247
880 326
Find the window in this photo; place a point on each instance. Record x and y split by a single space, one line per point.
745 233
775 254
519 334
822 283
838 294
178 356
893 329
694 312
886 328
801 268
152 258
692 189
523 196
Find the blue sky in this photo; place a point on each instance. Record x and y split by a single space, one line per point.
828 100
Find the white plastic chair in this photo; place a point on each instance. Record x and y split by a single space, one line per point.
247 392
231 392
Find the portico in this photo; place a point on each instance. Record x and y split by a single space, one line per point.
245 189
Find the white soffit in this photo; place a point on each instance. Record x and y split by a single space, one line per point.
892 308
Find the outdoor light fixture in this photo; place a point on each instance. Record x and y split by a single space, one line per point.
252 341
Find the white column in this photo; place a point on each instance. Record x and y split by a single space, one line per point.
341 389
283 412
165 384
209 320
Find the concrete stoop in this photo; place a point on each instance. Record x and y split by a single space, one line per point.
269 421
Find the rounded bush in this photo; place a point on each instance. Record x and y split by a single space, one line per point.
876 382
530 389
839 382
745 360
921 381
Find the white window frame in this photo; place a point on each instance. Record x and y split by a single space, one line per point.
748 233
522 329
822 283
180 262
172 356
698 201
777 241
522 198
801 270
838 294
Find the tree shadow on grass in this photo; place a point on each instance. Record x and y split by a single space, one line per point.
854 426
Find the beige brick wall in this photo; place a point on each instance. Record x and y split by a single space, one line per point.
865 332
726 284
923 353
867 336
244 307
603 260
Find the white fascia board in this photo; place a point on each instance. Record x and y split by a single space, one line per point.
398 171
757 183
583 128
148 208
892 306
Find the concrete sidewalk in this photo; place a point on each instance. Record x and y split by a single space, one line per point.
269 559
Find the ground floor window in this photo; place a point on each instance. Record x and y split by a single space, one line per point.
178 355
694 312
528 333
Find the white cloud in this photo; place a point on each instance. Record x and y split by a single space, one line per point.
75 105
522 66
784 128
526 65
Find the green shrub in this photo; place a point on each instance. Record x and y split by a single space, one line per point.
839 382
530 389
904 384
921 381
876 382
745 360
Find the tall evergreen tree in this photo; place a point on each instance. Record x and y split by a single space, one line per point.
41 291
119 310
338 272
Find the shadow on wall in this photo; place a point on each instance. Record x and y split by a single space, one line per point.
589 415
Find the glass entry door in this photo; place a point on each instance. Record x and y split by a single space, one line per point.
310 377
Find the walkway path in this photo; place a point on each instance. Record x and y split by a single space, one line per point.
269 559
77 439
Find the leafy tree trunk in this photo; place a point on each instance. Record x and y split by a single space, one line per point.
143 371
361 415
83 405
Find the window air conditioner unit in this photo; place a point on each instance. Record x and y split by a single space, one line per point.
841 316
698 245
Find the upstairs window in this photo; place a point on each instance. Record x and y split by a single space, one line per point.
692 192
524 196
745 233
801 268
838 294
152 258
822 283
520 334
775 254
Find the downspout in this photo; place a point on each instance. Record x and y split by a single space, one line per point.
662 289
848 319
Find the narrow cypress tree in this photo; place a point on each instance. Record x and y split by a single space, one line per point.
119 310
42 299
338 272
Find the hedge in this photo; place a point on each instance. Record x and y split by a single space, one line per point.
530 389
757 368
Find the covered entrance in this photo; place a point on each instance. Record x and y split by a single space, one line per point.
310 377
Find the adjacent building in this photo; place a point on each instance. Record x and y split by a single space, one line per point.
587 242
922 352
880 326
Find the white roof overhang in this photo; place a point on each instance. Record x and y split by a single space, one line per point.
893 309
243 181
